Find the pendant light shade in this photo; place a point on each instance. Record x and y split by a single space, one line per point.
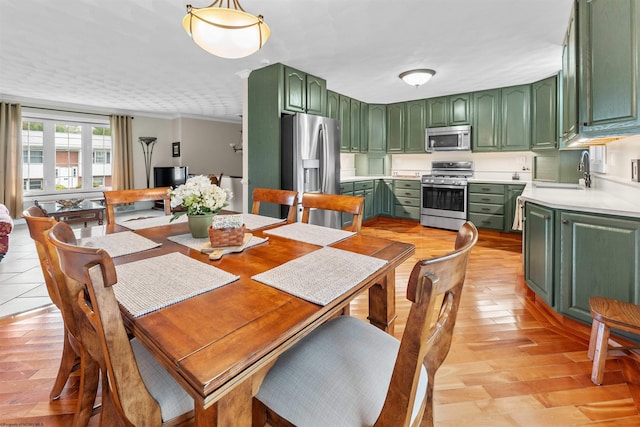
417 77
226 32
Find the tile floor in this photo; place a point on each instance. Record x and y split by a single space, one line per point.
22 287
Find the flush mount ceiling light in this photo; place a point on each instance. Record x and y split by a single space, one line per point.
417 77
225 31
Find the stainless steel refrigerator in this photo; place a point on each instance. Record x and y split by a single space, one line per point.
311 161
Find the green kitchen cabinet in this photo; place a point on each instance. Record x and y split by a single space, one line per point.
364 127
544 113
384 197
344 114
366 189
598 256
406 195
304 93
492 206
511 194
333 105
609 66
538 250
452 110
395 127
415 125
354 124
486 121
516 118
569 82
346 188
377 125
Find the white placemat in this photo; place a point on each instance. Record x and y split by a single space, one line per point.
310 233
197 244
254 222
118 244
156 221
153 283
321 276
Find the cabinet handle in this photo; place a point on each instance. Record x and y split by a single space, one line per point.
485 209
486 222
564 221
486 189
485 199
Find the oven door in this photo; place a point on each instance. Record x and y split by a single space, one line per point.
444 200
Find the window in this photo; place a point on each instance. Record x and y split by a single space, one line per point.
55 154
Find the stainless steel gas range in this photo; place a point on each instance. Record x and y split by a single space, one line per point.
443 201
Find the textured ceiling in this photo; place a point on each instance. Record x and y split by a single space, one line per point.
132 56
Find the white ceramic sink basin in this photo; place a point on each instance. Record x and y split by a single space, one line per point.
558 186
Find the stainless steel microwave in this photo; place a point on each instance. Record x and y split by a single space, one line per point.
451 138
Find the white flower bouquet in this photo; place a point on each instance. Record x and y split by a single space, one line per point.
199 197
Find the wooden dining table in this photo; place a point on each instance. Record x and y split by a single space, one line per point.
220 344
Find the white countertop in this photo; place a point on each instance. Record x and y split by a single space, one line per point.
366 178
576 198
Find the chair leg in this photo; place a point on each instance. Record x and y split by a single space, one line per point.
592 339
600 353
69 360
89 379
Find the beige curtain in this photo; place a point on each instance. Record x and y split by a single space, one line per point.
11 157
122 166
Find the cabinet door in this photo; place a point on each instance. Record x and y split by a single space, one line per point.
516 118
543 114
609 44
316 92
369 203
364 127
460 109
395 128
486 120
354 123
569 82
384 197
295 90
377 128
538 250
437 112
511 194
599 256
333 105
344 111
415 127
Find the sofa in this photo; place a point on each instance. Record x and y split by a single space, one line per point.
6 226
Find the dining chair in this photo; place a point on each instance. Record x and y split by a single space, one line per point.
282 197
334 202
136 389
216 180
73 354
350 373
119 197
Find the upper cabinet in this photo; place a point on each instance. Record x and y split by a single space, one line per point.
395 127
333 105
415 125
377 125
609 56
486 120
304 93
354 124
344 115
544 114
450 110
569 82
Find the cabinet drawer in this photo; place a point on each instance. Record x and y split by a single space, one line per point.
486 208
407 192
486 188
494 222
415 185
362 185
497 199
408 201
346 187
409 212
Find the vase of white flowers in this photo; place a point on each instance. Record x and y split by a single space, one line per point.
200 200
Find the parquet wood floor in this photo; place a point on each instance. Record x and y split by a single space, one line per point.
509 365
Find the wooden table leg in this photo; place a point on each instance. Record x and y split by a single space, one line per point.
232 410
382 303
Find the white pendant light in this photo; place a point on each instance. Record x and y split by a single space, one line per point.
417 77
226 32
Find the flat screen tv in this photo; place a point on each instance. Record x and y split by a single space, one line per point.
169 176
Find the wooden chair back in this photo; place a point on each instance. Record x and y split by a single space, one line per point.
334 202
428 331
216 180
280 197
89 274
120 197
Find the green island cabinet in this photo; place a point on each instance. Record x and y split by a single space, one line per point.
407 198
384 199
452 110
377 128
538 244
544 114
501 119
492 206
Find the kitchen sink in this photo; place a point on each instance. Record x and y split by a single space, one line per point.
558 186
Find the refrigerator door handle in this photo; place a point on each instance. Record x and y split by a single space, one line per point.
323 160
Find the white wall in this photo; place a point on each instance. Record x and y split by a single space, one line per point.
619 155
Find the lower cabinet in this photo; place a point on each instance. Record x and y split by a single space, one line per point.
384 197
365 189
347 189
492 206
407 198
538 251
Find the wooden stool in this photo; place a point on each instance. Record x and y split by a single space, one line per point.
608 313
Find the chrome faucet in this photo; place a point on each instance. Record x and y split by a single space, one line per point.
585 168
